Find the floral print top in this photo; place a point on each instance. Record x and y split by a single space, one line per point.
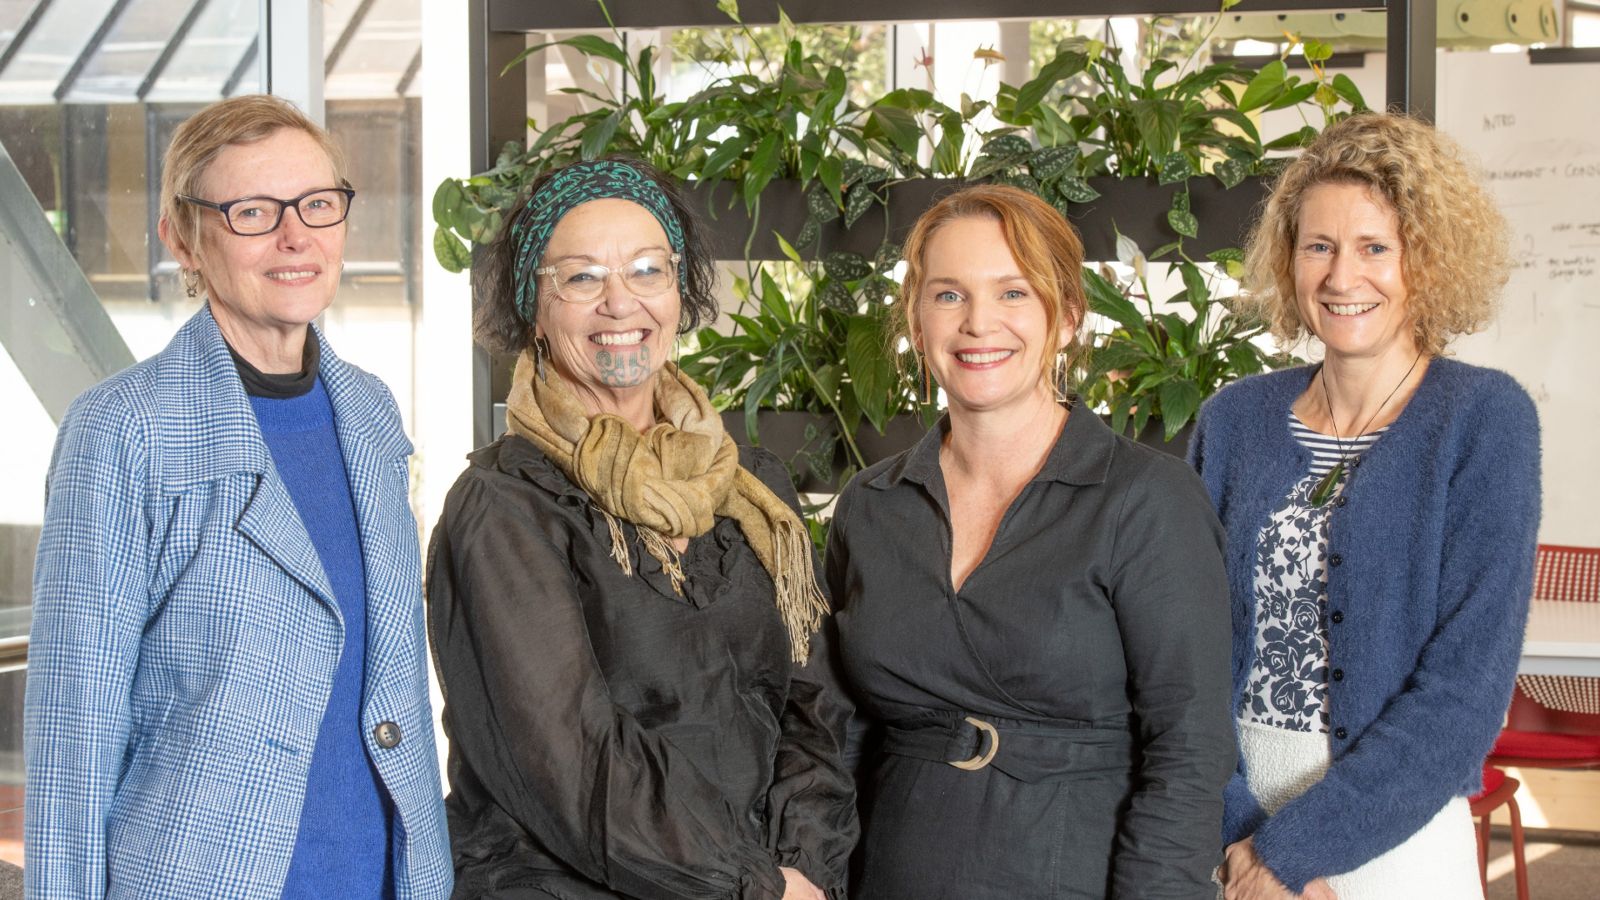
1288 684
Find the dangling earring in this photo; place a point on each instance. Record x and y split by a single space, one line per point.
1059 377
539 353
191 282
927 381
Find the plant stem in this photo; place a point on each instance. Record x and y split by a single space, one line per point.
844 431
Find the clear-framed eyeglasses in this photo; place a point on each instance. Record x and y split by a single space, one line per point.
253 216
581 282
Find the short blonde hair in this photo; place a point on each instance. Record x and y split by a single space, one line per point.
1454 255
238 120
1044 243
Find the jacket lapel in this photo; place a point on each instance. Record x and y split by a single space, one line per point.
203 401
376 454
271 521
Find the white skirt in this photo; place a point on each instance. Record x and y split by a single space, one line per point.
1439 862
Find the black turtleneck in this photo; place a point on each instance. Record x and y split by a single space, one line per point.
285 386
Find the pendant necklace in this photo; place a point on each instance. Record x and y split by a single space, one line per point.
1330 482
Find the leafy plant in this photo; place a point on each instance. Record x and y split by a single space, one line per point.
810 337
1153 363
1170 123
639 123
786 120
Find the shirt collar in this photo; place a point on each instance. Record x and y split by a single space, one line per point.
285 386
1081 454
515 455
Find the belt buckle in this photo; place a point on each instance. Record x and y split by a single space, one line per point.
987 756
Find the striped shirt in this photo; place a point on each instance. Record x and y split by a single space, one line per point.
1325 449
1288 681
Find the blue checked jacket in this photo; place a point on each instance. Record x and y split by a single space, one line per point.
185 639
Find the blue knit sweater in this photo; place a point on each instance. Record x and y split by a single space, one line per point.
342 846
1431 565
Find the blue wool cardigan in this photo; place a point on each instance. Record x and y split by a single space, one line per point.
1431 565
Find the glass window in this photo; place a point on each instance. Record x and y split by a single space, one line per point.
1583 27
336 15
383 215
12 14
115 71
700 55
92 166
51 48
216 58
380 54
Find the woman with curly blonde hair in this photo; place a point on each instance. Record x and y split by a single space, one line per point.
1382 510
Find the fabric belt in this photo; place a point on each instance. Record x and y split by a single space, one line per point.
1027 751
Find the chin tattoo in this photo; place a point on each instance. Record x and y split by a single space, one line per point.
628 369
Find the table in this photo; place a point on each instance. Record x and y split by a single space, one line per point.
1563 638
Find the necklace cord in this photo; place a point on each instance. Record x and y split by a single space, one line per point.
1334 420
1331 481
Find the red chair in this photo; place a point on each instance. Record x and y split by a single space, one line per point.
1499 789
1554 720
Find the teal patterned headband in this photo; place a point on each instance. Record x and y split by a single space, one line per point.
570 187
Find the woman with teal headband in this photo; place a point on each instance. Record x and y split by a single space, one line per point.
623 603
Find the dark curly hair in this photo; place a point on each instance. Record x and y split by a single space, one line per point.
500 329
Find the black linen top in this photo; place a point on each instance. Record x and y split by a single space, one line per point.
1093 635
608 737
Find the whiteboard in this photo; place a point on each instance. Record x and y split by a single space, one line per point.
1536 131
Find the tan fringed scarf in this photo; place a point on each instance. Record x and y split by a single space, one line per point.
670 481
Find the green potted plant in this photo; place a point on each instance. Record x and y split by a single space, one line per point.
807 368
791 167
1151 367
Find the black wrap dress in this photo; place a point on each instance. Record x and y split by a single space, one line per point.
609 737
1079 677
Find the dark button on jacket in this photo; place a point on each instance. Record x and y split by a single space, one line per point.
387 734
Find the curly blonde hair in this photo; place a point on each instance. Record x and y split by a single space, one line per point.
1045 245
1455 257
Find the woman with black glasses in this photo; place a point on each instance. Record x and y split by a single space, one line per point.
227 687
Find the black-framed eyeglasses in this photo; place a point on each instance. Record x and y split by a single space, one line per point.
254 216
